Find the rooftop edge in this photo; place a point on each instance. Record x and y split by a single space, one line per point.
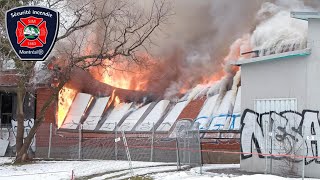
305 15
303 52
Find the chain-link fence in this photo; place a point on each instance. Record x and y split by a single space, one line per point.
189 147
182 149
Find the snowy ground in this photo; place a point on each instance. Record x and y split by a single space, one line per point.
106 169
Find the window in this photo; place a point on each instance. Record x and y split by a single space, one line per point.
277 105
6 109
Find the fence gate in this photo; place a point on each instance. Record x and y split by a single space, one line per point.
189 148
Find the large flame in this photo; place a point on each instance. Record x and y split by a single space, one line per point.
146 73
121 73
66 97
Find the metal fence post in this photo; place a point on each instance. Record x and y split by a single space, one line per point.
1 130
152 144
80 141
50 140
271 149
188 147
184 147
304 152
266 146
116 141
200 155
178 155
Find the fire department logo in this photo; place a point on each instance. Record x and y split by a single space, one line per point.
32 31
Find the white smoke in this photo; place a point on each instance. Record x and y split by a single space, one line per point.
277 32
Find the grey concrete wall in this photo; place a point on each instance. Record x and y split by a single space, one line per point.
293 77
279 78
313 66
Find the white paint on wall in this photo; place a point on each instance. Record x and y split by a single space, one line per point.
77 109
115 116
222 115
206 112
171 118
236 115
96 113
154 116
133 118
3 146
28 124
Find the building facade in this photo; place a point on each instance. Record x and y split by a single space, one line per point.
280 101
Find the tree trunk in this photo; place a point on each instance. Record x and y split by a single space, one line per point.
22 154
20 116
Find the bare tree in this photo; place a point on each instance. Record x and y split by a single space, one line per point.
113 29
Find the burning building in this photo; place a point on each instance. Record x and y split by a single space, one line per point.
190 88
111 110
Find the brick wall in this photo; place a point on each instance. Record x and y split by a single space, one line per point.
192 109
42 96
8 78
42 136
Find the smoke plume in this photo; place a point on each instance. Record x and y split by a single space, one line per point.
202 37
262 25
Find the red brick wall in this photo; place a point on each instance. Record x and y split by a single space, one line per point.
58 140
192 109
8 78
43 133
42 96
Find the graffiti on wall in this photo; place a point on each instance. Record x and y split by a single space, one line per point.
280 134
28 124
219 122
8 136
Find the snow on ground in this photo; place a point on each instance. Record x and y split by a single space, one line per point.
194 174
4 160
187 176
109 169
136 172
63 169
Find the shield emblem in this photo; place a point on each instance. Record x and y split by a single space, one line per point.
32 31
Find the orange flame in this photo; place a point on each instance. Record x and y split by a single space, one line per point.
116 101
111 98
121 81
120 73
66 97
